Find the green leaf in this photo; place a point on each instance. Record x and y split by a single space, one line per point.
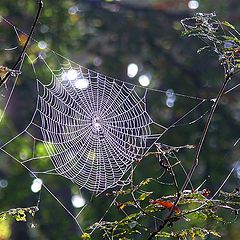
143 196
20 216
190 233
132 216
199 215
145 182
164 235
86 236
214 233
3 216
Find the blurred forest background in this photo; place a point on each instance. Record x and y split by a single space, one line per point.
138 41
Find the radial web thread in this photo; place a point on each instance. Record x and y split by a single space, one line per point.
93 128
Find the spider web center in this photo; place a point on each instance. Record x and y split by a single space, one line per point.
97 125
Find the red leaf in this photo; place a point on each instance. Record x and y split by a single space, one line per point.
167 204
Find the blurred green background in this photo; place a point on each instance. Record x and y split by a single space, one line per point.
116 38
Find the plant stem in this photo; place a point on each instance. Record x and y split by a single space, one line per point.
205 130
40 6
197 154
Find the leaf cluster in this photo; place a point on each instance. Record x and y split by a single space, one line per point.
19 214
195 209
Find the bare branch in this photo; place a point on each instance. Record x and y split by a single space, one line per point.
40 6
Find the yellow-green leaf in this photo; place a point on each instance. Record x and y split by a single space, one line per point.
143 196
21 216
86 236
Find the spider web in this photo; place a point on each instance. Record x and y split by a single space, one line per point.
93 127
221 38
93 135
96 131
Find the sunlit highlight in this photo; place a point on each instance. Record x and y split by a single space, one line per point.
193 4
42 45
78 201
81 83
132 70
36 185
144 80
72 74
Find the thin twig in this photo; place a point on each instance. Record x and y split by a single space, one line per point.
40 6
166 220
196 158
133 190
205 130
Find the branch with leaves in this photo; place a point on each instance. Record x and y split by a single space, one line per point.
193 206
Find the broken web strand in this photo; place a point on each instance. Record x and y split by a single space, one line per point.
166 129
15 74
222 38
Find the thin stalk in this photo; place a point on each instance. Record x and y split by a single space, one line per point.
205 130
196 158
40 6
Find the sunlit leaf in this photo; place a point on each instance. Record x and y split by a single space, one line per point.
20 215
85 236
145 182
143 196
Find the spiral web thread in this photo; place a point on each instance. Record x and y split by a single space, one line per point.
93 127
95 133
